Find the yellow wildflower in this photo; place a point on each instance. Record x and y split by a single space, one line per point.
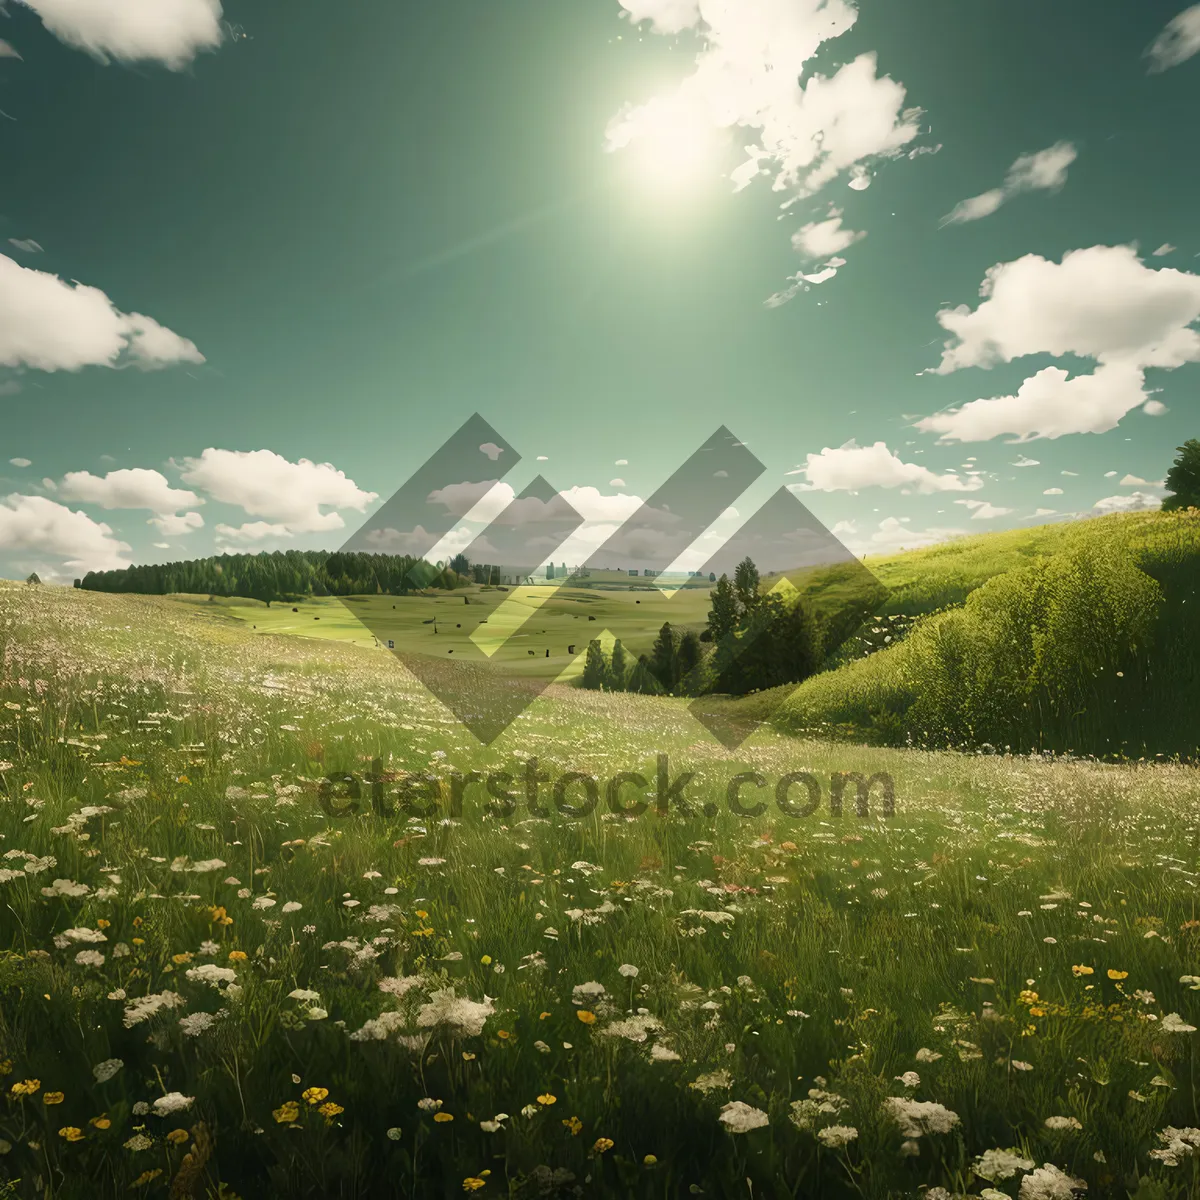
602 1144
1117 974
238 956
473 1183
72 1133
442 1117
286 1112
329 1110
177 1137
588 1018
53 1098
101 1122
547 1099
138 941
180 959
574 1124
649 1160
314 1095
146 1177
1081 970
27 1088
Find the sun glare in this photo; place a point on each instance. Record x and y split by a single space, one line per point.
673 149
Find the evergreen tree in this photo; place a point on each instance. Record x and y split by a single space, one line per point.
642 679
618 669
688 661
723 616
664 658
745 583
33 578
595 667
776 644
1184 478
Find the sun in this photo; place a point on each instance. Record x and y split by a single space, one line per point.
673 148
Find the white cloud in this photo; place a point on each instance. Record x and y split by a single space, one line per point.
621 462
750 74
1023 461
1132 481
1177 42
852 468
171 32
129 488
1044 512
1154 408
50 325
1053 492
291 495
252 531
170 525
1165 248
982 511
892 536
1044 171
822 239
1134 502
492 450
162 545
47 527
482 502
616 483
20 462
25 245
1047 405
1101 303
7 50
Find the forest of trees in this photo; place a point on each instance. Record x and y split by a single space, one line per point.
752 641
290 574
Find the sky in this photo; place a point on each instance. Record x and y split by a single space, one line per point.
935 264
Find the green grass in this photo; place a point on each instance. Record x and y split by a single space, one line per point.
140 737
539 623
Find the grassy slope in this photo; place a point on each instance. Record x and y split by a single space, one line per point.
790 953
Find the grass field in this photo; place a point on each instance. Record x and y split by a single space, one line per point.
211 986
538 619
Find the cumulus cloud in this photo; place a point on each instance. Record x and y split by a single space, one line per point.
170 525
291 497
1177 42
892 535
133 487
852 468
1101 303
1134 502
981 510
25 245
20 462
50 325
35 523
171 32
750 74
823 239
1164 249
251 531
1044 171
1049 404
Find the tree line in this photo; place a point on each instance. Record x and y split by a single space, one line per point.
291 575
751 641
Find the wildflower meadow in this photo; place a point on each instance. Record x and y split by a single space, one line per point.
211 987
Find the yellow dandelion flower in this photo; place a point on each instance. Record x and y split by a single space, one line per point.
547 1099
101 1122
421 914
103 923
1081 970
314 1095
180 959
138 941
503 1034
574 1124
238 956
286 1112
486 960
330 1110
177 1137
26 1088
602 1144
473 1183
53 1098
72 1133
1116 975
442 1117
588 1018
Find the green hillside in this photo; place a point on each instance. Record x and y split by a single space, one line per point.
1077 637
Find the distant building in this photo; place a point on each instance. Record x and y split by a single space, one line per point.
633 573
549 570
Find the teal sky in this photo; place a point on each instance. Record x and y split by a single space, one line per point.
376 219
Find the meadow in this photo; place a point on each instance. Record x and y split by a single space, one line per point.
212 988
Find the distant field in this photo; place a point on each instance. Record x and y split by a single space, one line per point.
539 618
